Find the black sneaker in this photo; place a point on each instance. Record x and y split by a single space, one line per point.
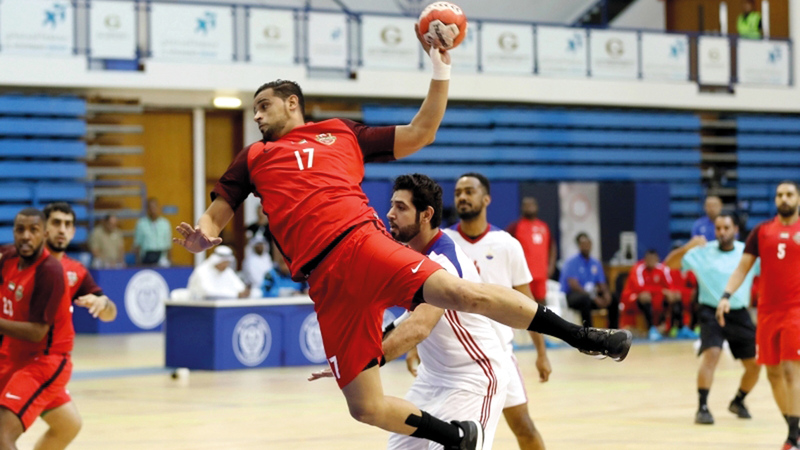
605 342
473 435
739 409
703 416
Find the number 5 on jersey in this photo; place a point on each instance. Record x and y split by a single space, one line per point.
782 250
310 153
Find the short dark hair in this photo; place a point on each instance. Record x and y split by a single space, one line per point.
32 212
793 183
651 251
732 215
424 193
284 89
580 235
63 207
483 180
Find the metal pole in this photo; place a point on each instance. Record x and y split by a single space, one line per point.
199 169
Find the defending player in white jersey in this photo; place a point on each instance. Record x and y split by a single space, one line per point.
500 260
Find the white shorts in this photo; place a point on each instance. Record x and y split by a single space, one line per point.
452 404
516 394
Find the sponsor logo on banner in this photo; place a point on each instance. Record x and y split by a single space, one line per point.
389 43
714 65
311 340
614 54
112 30
252 340
191 32
144 299
615 48
206 23
506 48
665 57
272 39
763 62
561 51
327 40
391 35
508 42
37 27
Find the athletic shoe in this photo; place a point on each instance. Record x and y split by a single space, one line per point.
703 416
473 435
739 409
605 342
789 446
654 335
686 333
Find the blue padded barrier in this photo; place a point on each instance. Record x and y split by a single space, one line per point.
685 190
523 172
596 119
754 220
767 123
465 136
7 235
42 148
689 207
681 226
577 155
769 157
594 137
755 190
9 212
13 192
749 141
762 207
41 170
770 174
68 128
50 192
26 105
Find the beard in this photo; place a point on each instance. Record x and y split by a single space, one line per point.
786 210
405 234
272 130
53 247
30 259
468 214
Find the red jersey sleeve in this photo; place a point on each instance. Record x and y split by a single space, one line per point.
377 143
88 286
235 185
48 291
751 246
512 229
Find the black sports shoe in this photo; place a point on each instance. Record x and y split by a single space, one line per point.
739 409
703 416
473 435
605 342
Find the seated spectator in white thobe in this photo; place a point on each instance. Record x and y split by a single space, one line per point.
257 262
215 279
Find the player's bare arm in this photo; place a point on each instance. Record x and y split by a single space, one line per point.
673 260
736 280
206 235
99 306
422 129
411 331
542 362
26 331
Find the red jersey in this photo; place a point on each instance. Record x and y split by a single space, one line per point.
641 279
79 280
309 182
534 235
778 246
36 294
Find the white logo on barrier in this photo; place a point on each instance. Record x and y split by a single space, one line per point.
144 299
252 340
311 340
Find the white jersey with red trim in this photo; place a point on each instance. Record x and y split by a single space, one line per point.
499 259
463 350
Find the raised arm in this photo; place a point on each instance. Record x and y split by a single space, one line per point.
673 260
206 235
422 129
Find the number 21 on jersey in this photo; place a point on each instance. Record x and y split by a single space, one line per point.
310 153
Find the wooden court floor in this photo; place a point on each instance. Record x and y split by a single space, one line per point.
128 401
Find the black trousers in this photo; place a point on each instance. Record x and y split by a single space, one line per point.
584 304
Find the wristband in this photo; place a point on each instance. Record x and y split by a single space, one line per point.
726 296
441 71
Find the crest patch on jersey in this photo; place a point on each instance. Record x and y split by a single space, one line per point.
325 138
796 238
72 277
784 235
11 286
489 256
18 293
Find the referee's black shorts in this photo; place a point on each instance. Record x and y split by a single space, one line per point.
739 331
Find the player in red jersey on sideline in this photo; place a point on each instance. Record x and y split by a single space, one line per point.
308 177
61 415
538 245
35 327
777 243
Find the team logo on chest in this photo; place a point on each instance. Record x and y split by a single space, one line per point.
72 278
18 293
325 138
796 238
489 255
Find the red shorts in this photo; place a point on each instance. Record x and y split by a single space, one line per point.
37 386
539 289
364 274
777 337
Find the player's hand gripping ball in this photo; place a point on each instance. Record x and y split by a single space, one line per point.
443 25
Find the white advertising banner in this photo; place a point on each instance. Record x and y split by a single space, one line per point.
271 36
763 62
37 27
506 48
561 51
327 40
112 30
614 54
191 32
665 57
714 60
580 213
389 43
